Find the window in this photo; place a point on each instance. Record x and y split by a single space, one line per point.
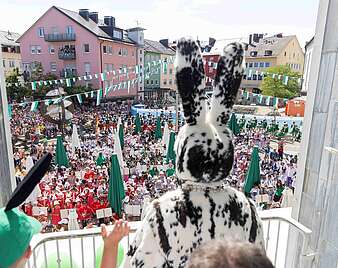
253 53
11 63
106 67
285 54
132 53
120 52
140 59
268 53
117 34
250 64
38 49
110 50
151 82
294 54
51 50
261 64
41 32
104 49
70 30
140 51
170 71
124 51
246 65
260 77
33 49
4 63
164 81
53 66
255 64
156 82
254 77
147 82
87 68
267 64
170 82
86 48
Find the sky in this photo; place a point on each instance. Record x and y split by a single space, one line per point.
221 19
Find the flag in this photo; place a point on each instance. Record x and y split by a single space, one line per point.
275 102
96 76
233 124
98 97
10 110
121 135
285 80
61 155
116 189
137 124
33 85
103 76
260 98
253 176
267 100
34 106
128 86
100 160
68 82
79 98
158 130
171 156
92 94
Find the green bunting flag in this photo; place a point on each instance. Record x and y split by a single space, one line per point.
128 86
103 76
96 76
79 98
10 110
34 106
92 94
68 82
33 85
260 98
98 97
275 102
267 100
285 80
47 102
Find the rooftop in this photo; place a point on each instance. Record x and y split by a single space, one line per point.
90 25
273 43
8 38
157 47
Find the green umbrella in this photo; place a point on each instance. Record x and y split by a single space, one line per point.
233 124
116 190
137 123
61 156
158 130
100 160
253 176
170 152
121 135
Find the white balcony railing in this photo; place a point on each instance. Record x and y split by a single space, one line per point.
83 248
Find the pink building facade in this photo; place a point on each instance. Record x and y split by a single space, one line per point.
71 44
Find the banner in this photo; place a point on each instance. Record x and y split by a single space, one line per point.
79 98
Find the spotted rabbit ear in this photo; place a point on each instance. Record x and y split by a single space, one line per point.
27 185
190 80
230 69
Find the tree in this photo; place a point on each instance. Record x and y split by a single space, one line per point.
277 88
15 90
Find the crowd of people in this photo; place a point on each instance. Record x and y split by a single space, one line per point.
147 173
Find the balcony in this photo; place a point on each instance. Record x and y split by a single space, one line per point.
82 248
62 37
67 54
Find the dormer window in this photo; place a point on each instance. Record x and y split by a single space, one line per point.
268 53
253 53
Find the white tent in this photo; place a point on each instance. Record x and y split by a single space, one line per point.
33 197
75 139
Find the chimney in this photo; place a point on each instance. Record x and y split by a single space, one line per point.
212 41
165 42
84 13
94 16
109 21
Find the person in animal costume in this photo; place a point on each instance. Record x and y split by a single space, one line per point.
202 209
16 228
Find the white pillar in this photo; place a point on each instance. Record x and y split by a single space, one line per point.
317 179
7 179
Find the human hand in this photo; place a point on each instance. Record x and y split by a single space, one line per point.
111 239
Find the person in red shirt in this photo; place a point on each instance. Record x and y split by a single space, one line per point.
56 217
85 213
29 209
68 204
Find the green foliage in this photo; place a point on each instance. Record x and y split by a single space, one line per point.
16 90
274 87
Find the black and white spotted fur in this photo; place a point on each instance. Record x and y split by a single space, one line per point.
201 210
